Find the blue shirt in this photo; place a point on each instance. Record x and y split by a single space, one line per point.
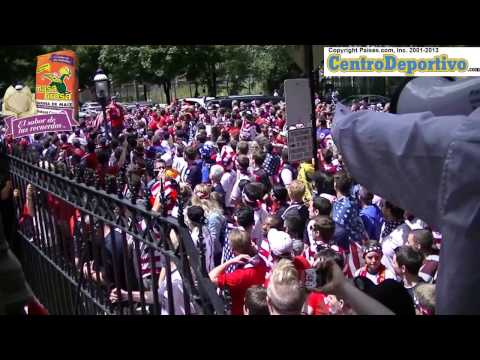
372 219
322 133
158 149
194 174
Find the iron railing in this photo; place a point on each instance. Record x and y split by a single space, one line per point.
80 242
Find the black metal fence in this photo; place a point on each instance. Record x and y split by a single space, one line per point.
87 249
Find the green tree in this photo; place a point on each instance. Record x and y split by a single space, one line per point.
236 67
204 65
162 64
17 63
271 65
157 64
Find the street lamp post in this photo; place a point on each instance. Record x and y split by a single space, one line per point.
308 53
102 92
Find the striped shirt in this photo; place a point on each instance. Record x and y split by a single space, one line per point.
248 131
146 252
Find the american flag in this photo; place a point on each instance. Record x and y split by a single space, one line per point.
354 258
227 252
96 122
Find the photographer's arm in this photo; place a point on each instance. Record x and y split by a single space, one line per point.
399 157
338 285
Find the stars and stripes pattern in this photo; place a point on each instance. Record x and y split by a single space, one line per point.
227 252
170 194
271 164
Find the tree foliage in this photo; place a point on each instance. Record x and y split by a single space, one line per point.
17 63
204 65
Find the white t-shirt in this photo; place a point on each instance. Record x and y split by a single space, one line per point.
287 176
376 200
228 181
396 238
416 224
177 293
259 215
179 164
80 139
209 246
236 194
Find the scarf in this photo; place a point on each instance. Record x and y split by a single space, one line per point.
390 225
380 274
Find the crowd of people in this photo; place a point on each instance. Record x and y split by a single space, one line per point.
282 237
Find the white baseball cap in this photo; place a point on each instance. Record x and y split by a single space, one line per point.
280 242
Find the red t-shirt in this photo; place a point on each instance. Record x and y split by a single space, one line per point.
116 116
280 123
234 132
316 300
153 125
281 140
163 121
60 209
91 160
154 116
260 121
239 281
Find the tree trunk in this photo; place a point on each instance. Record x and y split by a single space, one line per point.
212 81
145 92
196 90
166 89
136 90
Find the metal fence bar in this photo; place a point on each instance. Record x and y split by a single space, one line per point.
55 246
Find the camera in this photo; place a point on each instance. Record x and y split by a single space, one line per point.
315 278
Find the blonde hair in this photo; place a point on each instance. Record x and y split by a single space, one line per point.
284 272
200 193
239 241
253 147
185 192
425 294
296 190
285 292
208 204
